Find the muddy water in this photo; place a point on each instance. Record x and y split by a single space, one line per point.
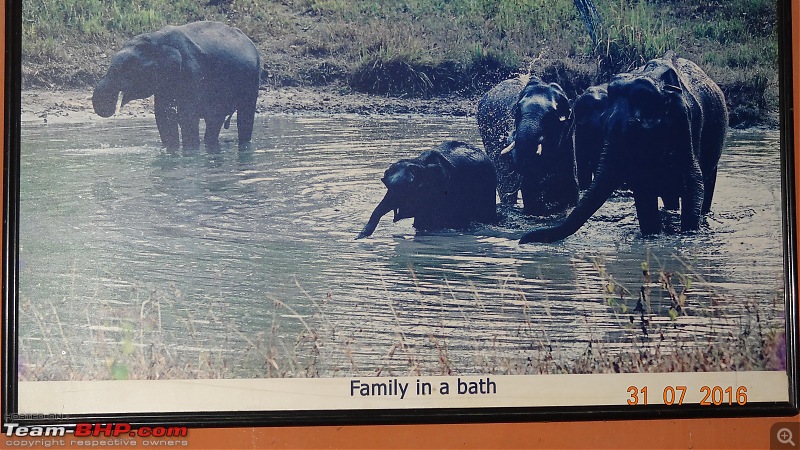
244 263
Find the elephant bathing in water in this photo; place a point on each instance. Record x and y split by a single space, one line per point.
496 122
664 133
202 70
535 119
449 186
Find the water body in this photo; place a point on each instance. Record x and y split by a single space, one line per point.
244 263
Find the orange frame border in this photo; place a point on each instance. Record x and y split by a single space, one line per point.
726 433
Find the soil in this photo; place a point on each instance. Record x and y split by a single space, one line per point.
75 105
66 105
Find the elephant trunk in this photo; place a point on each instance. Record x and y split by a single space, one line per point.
528 139
386 205
105 99
600 190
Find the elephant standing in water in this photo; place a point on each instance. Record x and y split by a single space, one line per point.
496 122
535 120
202 70
449 186
664 133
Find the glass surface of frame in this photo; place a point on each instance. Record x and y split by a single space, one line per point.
157 273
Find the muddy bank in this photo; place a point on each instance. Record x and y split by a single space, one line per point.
65 105
75 105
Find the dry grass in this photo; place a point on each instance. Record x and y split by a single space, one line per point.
132 342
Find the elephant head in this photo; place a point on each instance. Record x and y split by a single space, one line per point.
137 71
654 139
410 184
541 149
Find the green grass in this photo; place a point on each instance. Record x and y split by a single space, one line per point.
633 34
425 47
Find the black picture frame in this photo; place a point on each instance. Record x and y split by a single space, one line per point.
347 414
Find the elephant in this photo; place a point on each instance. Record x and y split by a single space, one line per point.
199 70
496 122
664 133
447 187
540 143
588 110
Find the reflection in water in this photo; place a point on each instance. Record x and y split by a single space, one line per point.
216 263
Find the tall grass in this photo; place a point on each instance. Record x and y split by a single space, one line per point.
659 324
631 34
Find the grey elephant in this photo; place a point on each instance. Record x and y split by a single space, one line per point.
589 110
540 148
496 123
450 186
664 133
201 70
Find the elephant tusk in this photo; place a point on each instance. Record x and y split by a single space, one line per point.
508 149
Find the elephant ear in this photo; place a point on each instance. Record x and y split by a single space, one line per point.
563 108
403 175
673 93
436 174
169 62
181 54
670 81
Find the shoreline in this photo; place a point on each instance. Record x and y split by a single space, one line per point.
75 105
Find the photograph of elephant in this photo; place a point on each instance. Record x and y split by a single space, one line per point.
199 70
664 129
400 188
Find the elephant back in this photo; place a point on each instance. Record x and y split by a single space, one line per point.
708 109
712 105
221 45
464 164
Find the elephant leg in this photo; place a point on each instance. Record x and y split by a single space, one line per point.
708 190
190 132
693 199
584 176
167 123
213 127
586 165
245 118
647 212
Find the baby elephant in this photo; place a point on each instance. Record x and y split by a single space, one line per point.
449 186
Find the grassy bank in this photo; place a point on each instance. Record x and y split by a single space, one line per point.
426 48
